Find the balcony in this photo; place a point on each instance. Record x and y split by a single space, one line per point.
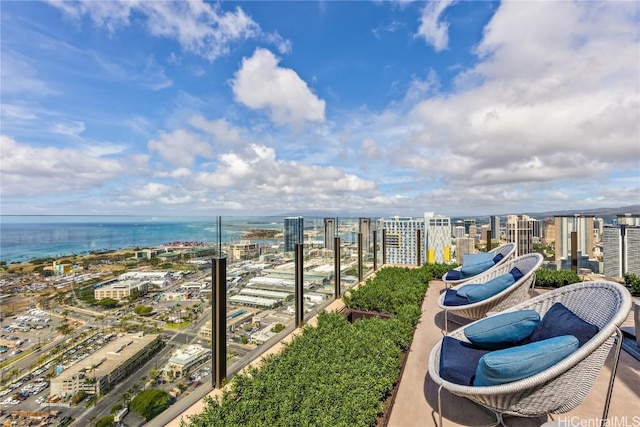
415 402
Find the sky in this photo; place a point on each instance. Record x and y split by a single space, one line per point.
318 107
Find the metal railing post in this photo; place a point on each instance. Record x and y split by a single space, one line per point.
384 246
375 250
219 321
299 279
359 257
419 247
336 267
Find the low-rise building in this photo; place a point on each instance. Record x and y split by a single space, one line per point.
121 289
184 359
99 372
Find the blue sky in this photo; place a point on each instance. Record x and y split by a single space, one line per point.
259 108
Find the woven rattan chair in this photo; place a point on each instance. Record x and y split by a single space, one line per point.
508 252
514 294
565 385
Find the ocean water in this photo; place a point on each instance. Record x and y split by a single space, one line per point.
23 238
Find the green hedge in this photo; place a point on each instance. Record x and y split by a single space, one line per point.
335 374
632 282
546 278
390 289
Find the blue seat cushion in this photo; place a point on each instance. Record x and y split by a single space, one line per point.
452 298
453 275
516 363
475 269
490 288
516 273
498 258
471 259
462 290
502 330
559 320
458 361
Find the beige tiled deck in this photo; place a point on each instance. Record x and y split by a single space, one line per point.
416 402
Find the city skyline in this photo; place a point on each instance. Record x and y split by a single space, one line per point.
464 108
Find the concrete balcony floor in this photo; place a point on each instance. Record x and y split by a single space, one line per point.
416 399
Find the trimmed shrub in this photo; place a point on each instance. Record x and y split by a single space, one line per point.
546 278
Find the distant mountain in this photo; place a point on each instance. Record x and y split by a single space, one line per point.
606 213
597 212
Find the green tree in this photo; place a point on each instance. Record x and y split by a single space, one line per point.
106 422
143 310
150 403
78 397
64 328
277 328
108 303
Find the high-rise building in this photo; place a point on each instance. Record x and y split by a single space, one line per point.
467 224
364 227
549 231
404 239
464 245
412 241
627 219
293 232
567 224
484 229
438 228
519 230
458 231
494 223
598 228
330 232
621 250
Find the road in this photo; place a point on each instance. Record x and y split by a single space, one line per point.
104 405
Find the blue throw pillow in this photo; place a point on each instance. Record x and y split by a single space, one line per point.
516 273
475 269
498 258
452 298
559 320
502 330
490 288
462 290
458 361
471 259
516 363
453 275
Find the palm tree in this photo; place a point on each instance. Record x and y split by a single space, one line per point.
14 372
125 398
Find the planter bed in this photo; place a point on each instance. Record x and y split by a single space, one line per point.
337 373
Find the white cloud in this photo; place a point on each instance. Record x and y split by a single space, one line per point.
17 112
556 83
422 88
180 147
261 84
434 31
22 75
370 150
154 76
255 177
199 27
35 171
221 130
69 127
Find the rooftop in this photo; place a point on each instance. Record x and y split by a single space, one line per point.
415 402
